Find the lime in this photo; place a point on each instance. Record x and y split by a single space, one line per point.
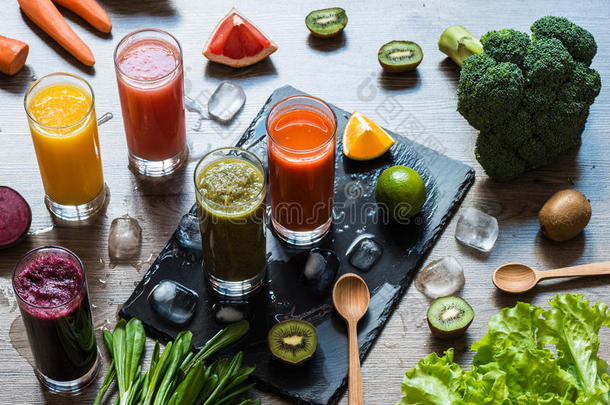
401 191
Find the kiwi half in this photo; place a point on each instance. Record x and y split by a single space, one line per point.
293 341
449 317
400 56
327 22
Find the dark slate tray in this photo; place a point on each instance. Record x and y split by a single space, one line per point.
323 379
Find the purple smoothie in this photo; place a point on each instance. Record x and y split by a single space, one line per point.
55 308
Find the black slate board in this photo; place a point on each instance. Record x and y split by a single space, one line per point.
322 379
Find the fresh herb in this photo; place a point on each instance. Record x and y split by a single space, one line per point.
176 376
514 363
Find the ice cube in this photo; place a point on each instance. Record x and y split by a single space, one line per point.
320 269
440 278
227 312
188 233
477 229
226 101
364 253
124 238
173 302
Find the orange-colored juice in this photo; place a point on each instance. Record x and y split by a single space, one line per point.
64 132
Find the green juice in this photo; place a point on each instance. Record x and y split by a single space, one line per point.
231 207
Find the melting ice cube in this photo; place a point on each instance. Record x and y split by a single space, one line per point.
227 312
440 278
364 252
321 269
226 101
477 229
124 238
188 233
173 302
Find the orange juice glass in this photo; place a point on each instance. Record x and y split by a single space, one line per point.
301 143
61 114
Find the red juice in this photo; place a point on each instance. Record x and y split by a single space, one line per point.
52 295
151 89
301 156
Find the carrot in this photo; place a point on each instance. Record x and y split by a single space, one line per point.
13 54
45 15
91 11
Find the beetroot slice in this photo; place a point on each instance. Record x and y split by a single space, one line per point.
15 217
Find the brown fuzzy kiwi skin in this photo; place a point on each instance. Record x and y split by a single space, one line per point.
443 334
564 215
398 69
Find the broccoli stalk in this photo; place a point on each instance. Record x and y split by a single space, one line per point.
458 43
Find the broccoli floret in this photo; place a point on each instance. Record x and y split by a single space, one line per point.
499 163
587 82
489 93
579 42
528 98
506 45
538 97
547 61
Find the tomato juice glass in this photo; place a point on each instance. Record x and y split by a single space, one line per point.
51 290
61 114
301 144
149 71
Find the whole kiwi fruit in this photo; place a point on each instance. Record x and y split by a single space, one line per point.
564 215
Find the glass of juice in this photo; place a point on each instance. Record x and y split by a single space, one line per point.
61 114
51 290
148 65
231 192
301 143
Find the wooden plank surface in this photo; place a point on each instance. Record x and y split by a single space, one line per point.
420 105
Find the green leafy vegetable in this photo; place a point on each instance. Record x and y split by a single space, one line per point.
528 97
515 363
176 375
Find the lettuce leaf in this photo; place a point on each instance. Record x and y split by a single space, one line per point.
529 356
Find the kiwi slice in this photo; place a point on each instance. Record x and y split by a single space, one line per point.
449 316
327 22
293 341
400 56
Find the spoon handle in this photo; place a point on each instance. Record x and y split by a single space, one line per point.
591 269
355 395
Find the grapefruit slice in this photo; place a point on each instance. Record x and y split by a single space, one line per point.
236 42
363 139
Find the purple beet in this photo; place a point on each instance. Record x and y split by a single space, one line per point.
15 217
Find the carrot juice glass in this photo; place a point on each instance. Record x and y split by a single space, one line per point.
148 65
61 113
301 143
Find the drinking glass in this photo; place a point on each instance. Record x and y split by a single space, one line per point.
233 234
68 154
148 65
301 143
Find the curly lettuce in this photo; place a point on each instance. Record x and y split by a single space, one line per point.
529 356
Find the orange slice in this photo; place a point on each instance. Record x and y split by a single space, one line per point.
363 139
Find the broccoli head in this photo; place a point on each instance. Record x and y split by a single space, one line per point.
529 98
579 42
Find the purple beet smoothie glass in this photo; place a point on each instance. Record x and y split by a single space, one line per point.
51 291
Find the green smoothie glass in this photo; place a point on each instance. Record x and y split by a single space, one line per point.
230 186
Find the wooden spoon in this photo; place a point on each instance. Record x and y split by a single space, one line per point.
351 298
518 278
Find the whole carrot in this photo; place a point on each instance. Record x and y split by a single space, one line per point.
13 54
45 15
91 11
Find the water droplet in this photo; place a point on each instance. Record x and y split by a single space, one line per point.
104 118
